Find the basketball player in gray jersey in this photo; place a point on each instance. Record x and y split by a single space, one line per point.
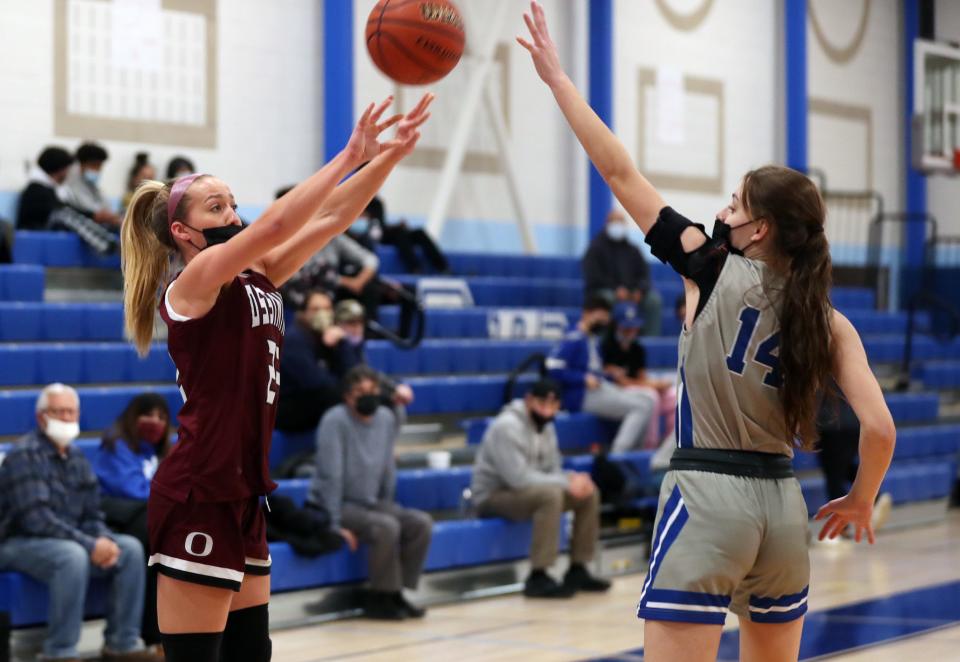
761 345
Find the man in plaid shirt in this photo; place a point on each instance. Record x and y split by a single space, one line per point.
51 528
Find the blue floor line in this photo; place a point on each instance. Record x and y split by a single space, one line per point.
859 625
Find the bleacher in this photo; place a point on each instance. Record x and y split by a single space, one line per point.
459 372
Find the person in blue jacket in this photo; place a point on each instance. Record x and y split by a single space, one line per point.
576 363
128 456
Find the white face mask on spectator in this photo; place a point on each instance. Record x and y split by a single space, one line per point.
617 231
61 433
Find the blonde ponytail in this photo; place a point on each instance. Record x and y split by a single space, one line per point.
145 249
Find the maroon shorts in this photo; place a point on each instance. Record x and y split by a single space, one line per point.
208 543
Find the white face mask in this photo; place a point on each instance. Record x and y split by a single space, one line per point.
617 231
62 433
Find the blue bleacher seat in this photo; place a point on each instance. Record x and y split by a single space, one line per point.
57 249
21 282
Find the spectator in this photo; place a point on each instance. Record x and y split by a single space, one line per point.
576 364
53 530
128 457
356 482
42 194
180 166
372 229
349 353
615 267
308 388
141 170
41 206
625 362
517 475
83 186
327 270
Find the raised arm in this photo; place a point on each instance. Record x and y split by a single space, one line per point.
635 193
877 434
349 199
199 283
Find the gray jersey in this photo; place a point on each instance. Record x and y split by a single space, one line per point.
729 371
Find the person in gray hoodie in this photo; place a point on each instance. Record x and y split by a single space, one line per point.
517 475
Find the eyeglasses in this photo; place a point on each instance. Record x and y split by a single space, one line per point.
59 412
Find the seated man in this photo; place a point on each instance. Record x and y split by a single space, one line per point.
52 530
614 267
83 186
42 208
577 365
356 481
625 362
517 475
372 229
308 388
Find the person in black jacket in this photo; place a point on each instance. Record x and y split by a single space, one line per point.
39 198
308 387
615 268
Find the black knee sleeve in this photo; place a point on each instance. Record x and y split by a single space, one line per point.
193 647
247 636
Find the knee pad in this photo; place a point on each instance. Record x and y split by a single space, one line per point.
247 636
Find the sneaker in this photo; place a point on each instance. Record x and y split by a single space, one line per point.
881 511
579 579
382 606
409 609
541 585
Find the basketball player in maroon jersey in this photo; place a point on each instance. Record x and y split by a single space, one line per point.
225 329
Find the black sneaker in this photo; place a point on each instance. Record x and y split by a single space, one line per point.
578 579
409 609
382 606
541 585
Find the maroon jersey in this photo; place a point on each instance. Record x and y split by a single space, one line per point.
228 370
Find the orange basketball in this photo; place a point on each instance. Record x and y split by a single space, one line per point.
415 42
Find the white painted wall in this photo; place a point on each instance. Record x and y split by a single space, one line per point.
736 45
842 147
270 112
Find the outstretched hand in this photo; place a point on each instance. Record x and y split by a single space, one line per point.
364 144
408 130
843 511
546 60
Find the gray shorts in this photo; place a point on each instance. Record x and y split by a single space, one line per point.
724 543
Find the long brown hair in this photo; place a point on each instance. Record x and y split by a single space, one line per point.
125 427
146 249
790 202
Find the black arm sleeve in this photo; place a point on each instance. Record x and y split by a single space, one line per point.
702 266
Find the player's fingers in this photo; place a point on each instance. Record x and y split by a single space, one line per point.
366 115
375 117
828 527
523 42
823 512
390 122
423 104
871 536
540 19
534 33
419 121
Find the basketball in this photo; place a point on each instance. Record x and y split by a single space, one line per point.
415 42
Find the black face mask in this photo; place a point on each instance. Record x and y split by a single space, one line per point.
540 421
367 404
721 233
599 328
218 235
